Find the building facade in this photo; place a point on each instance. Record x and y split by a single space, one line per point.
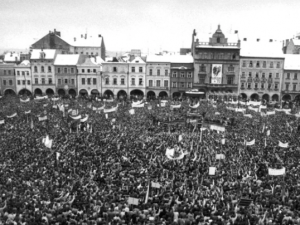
89 77
292 46
137 77
115 79
262 64
216 64
182 70
291 78
66 73
7 79
23 78
158 76
43 72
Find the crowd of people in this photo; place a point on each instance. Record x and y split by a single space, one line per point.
93 168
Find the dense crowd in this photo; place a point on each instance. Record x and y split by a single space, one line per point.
93 167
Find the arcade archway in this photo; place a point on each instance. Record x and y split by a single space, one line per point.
83 92
275 98
176 95
151 94
61 92
49 91
72 92
122 94
297 98
38 91
254 97
243 96
163 94
25 92
137 93
95 92
108 94
286 97
266 97
9 92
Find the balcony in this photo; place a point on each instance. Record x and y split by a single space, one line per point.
159 88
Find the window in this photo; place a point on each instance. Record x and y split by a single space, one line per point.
73 81
182 74
278 65
115 82
88 70
249 85
250 74
36 80
277 75
256 75
174 84
257 64
49 80
58 70
140 69
4 72
133 69
94 81
158 83
42 69
114 69
132 81
150 72
294 87
276 86
264 64
65 70
27 73
218 40
150 83
262 86
106 80
94 71
243 74
269 86
82 70
255 85
250 64
122 81
182 84
28 82
231 68
202 68
4 81
189 74
82 81
43 80
189 84
35 69
295 76
263 75
166 73
66 81
18 73
242 85
72 70
271 64
230 80
19 82
9 72
49 69
270 75
174 74
166 83
89 81
158 72
287 87
140 81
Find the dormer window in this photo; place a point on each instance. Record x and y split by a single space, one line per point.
250 64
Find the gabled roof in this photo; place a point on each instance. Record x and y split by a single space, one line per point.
11 57
137 59
66 60
292 62
261 48
89 41
49 53
25 63
89 62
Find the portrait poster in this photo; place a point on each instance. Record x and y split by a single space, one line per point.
216 74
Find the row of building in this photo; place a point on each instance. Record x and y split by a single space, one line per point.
218 66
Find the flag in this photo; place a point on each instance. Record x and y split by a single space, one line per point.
263 129
1 121
106 115
265 142
223 141
147 194
276 172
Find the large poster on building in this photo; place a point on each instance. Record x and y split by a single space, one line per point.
216 74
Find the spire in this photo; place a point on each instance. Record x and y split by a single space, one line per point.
219 29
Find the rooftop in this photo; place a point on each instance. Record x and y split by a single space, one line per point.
48 53
11 57
86 41
66 60
292 62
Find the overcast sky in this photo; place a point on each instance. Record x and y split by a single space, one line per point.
145 24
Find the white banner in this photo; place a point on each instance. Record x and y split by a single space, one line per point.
11 116
253 109
195 106
76 117
131 111
276 172
40 98
212 171
84 119
110 110
217 128
254 103
27 112
26 100
250 142
240 110
283 145
138 106
248 115
1 121
175 106
271 113
170 152
220 156
216 74
42 118
54 99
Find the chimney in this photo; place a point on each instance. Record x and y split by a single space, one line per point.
271 40
74 39
245 39
99 35
236 31
82 36
257 39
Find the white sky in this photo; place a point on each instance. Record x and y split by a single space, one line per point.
145 24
